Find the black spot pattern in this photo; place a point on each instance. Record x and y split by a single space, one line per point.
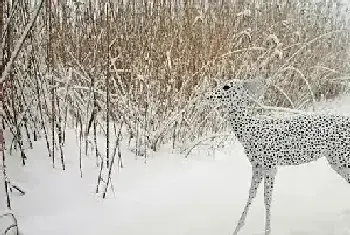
271 142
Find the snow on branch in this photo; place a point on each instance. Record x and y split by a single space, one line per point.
187 151
19 44
13 225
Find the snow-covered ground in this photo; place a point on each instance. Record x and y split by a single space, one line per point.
172 195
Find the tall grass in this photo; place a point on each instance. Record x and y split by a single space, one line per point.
165 54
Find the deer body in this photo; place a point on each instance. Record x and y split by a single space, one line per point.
272 142
294 141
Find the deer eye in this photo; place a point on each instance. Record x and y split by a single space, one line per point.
226 87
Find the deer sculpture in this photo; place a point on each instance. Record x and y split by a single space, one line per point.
273 142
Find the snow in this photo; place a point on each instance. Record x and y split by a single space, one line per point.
173 195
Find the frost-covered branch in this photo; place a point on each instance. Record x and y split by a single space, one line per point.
20 42
200 141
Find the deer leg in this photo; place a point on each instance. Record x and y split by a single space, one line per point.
269 181
257 177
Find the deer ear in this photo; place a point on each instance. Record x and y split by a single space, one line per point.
255 87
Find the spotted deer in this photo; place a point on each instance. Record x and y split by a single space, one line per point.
272 142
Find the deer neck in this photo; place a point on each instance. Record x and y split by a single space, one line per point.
241 123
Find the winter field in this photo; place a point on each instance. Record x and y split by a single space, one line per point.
106 125
169 194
